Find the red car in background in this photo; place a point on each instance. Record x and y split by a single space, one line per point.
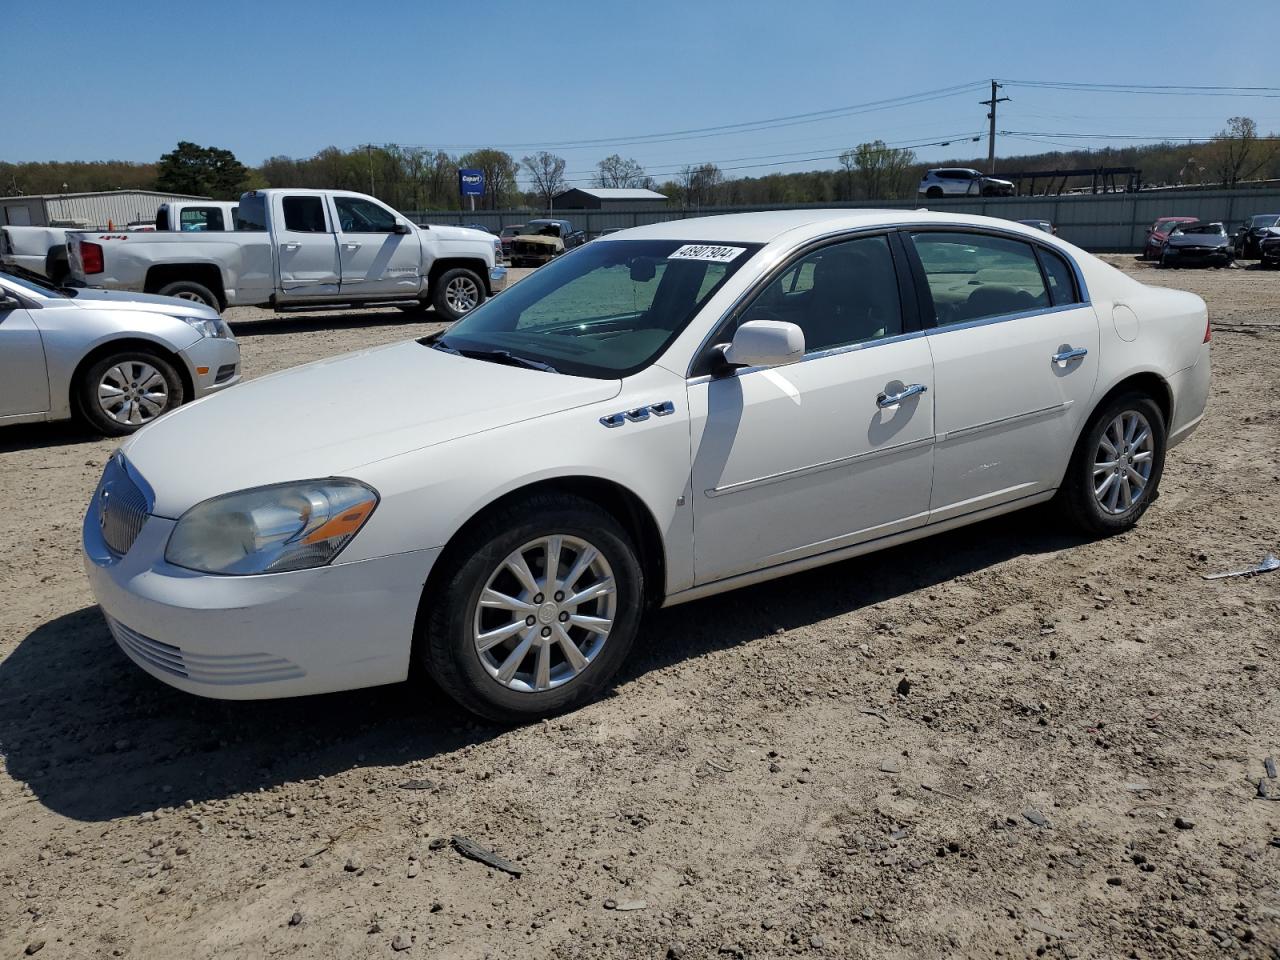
1159 232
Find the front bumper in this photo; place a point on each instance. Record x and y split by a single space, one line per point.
497 279
330 628
214 365
1184 257
1270 252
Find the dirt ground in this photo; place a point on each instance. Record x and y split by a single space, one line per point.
1003 741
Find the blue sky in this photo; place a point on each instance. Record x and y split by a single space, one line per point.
127 80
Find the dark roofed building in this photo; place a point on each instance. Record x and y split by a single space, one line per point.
606 198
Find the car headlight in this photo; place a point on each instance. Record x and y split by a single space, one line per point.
286 526
209 327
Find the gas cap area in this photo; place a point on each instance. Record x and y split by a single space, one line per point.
1126 323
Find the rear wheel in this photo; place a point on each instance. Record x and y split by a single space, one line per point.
933 193
1116 467
457 292
539 611
125 391
190 290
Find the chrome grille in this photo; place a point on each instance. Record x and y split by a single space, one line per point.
122 507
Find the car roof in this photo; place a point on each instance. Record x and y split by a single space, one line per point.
798 224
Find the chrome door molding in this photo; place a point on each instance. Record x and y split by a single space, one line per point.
1017 418
741 485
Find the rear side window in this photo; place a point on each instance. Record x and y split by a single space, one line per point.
201 219
252 213
974 276
304 214
1062 280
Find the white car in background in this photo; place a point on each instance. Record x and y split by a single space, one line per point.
662 414
962 182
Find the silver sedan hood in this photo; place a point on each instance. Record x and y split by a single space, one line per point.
328 418
148 302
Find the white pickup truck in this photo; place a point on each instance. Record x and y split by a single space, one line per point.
295 249
43 250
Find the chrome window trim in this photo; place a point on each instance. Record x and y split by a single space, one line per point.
1002 318
820 355
739 485
773 268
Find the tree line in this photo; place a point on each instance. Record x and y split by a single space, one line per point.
419 178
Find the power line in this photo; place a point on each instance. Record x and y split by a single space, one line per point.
746 126
1166 90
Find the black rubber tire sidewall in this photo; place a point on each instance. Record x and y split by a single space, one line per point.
190 286
87 390
440 301
445 646
1076 498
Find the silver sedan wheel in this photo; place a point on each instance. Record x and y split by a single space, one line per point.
545 614
462 294
133 392
1122 464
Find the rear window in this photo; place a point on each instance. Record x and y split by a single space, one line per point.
304 214
252 213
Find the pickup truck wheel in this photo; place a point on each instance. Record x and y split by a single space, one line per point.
190 290
457 292
539 610
125 391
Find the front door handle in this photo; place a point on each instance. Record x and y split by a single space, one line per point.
1066 356
885 400
290 245
351 244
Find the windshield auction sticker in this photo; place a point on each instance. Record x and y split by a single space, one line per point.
706 251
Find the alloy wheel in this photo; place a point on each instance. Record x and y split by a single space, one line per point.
545 614
133 392
462 294
1123 462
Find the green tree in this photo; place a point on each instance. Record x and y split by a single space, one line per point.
202 171
881 169
500 170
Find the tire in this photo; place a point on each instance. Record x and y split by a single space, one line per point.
454 289
190 290
113 405
933 193
447 645
1093 512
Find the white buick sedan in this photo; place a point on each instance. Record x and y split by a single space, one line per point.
660 415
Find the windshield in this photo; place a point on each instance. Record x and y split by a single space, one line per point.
1198 228
34 283
1165 226
604 310
1266 220
540 230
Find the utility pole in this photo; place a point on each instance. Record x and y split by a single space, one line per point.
991 115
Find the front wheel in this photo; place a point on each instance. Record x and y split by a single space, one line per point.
539 611
457 292
125 391
1116 467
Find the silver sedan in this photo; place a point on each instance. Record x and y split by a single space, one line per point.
119 360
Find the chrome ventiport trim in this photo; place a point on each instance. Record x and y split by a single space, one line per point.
663 409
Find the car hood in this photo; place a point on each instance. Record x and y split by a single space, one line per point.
536 238
1008 183
328 418
147 302
1198 240
446 232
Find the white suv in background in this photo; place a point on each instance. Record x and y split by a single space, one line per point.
962 181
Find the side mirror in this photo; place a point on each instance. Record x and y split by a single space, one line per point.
401 227
765 343
9 302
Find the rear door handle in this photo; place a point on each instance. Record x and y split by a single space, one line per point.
1066 356
893 399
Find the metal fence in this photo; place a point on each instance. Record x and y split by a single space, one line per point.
1099 222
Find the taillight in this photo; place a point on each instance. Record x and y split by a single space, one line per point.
91 257
1208 330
